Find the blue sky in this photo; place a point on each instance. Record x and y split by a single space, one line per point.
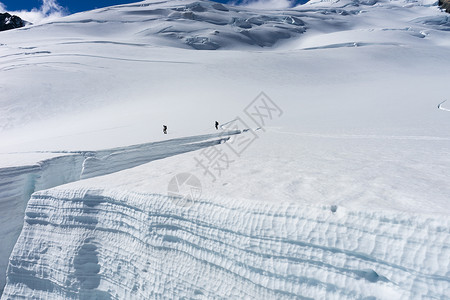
73 6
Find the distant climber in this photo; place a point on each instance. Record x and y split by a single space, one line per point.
217 125
165 129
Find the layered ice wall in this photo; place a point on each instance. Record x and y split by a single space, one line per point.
18 183
16 186
110 244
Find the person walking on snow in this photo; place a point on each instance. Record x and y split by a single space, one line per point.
165 129
217 125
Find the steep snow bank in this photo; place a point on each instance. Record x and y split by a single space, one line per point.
16 186
18 183
268 227
112 244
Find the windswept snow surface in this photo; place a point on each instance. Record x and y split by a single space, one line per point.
345 194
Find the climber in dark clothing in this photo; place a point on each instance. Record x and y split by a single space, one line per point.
217 125
165 129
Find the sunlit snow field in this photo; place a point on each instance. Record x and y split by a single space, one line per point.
343 194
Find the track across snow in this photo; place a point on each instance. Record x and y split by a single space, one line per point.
443 108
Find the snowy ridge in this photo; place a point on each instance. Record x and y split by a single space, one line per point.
18 183
142 246
126 40
110 161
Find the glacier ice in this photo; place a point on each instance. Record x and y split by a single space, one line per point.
113 244
18 183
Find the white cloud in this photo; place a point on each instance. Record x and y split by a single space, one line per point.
49 10
267 4
51 6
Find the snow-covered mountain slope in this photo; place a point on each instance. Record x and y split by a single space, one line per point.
200 25
100 66
344 194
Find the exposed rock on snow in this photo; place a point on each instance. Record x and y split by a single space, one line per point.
445 4
8 22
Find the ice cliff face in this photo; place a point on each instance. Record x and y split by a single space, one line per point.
96 244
